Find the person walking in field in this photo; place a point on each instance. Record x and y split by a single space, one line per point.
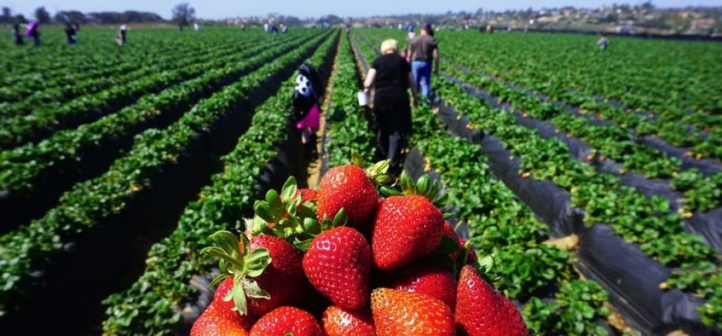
122 35
17 35
70 33
33 31
306 114
603 43
390 76
424 50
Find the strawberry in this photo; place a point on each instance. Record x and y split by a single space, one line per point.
399 313
266 272
223 306
432 280
456 256
349 188
405 228
338 265
209 324
287 320
219 318
283 279
482 311
339 322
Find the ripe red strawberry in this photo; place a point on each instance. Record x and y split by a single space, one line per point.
209 324
223 308
285 320
398 313
482 311
347 187
339 322
308 195
433 280
405 228
283 279
338 265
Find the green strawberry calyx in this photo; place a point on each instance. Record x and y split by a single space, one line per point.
424 186
313 228
288 217
237 261
377 173
283 215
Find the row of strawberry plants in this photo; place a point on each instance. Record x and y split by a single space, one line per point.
502 226
667 129
45 119
24 167
349 129
137 66
89 202
608 141
152 305
96 56
668 80
644 221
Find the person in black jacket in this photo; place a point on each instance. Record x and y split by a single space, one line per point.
306 114
391 77
70 32
17 34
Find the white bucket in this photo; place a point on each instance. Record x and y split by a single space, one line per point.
363 98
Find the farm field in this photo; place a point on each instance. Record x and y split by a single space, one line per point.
593 178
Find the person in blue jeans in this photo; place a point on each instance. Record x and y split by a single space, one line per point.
424 50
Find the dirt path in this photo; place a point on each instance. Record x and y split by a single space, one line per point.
314 167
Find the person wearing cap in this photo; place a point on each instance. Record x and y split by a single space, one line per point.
423 50
390 75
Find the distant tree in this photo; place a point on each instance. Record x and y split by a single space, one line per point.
71 16
292 21
20 19
183 14
42 15
331 19
7 15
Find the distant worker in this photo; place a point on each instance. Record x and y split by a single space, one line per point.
196 27
17 35
70 33
391 77
284 28
424 50
411 34
603 43
33 30
265 27
122 35
306 114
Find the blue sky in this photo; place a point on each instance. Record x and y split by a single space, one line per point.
214 9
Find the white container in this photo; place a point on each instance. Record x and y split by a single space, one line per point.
363 98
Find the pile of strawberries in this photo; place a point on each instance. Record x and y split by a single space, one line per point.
355 258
